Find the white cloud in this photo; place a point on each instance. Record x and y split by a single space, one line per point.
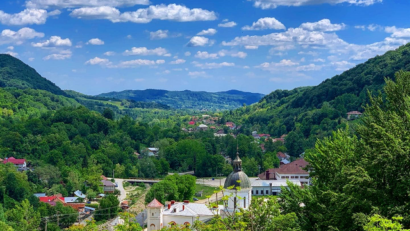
109 53
145 51
81 3
10 48
227 24
64 54
25 17
342 65
199 41
265 23
206 55
18 37
309 67
361 27
172 12
159 34
208 32
178 61
54 41
95 41
187 53
322 25
251 47
271 4
138 63
98 61
398 32
14 54
282 48
196 74
129 36
54 13
213 65
312 53
319 60
30 59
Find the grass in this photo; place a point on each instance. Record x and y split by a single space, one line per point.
207 190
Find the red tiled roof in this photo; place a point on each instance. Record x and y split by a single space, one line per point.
155 204
279 139
230 124
50 198
191 122
354 113
14 161
295 167
103 177
281 155
76 206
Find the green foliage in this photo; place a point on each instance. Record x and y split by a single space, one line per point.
108 208
173 187
189 99
15 73
378 223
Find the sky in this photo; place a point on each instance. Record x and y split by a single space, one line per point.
98 46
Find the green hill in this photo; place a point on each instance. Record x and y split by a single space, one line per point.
198 100
15 73
313 112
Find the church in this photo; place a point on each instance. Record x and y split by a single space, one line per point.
237 186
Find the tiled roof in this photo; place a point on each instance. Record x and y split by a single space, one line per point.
281 155
14 161
76 206
295 167
107 183
155 204
50 198
354 113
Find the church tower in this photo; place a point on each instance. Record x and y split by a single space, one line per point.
155 215
238 187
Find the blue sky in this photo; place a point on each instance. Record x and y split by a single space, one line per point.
97 46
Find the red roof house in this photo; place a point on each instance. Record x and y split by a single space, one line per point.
191 123
155 204
14 161
296 167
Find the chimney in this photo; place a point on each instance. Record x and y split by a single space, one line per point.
183 207
267 174
169 206
186 201
172 202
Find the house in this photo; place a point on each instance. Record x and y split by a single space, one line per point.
152 151
292 171
278 139
270 187
137 154
212 127
284 158
52 200
256 136
19 163
103 177
176 213
264 136
124 205
202 127
108 186
79 194
184 129
70 199
191 122
219 135
353 115
79 207
231 125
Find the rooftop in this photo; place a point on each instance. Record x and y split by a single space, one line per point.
14 160
275 183
188 209
155 204
107 183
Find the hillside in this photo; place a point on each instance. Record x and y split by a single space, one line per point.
190 99
15 73
313 112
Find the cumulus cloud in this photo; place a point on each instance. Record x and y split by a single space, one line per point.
159 34
227 24
61 55
200 41
206 55
14 54
187 53
271 4
342 65
25 17
145 51
98 61
213 65
251 47
54 41
138 63
172 12
43 4
398 32
178 61
221 53
18 37
208 32
265 23
322 25
109 53
95 41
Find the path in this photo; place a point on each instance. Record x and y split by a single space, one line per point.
211 199
120 187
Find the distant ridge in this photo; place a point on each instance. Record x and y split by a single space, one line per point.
17 74
199 100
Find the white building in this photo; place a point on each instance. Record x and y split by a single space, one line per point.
295 170
269 187
176 213
239 189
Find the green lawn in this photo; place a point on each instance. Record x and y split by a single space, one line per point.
207 190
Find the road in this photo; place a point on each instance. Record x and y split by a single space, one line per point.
120 187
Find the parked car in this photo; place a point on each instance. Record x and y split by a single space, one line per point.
196 199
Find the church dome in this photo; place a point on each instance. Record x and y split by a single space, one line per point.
237 175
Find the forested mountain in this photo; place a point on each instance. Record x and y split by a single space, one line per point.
15 73
313 112
198 100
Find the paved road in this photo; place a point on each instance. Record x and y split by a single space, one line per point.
120 187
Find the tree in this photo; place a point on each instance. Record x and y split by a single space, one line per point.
5 227
23 217
128 225
91 195
108 208
108 114
378 223
250 166
294 143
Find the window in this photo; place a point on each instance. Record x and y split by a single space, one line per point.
282 177
152 214
267 192
296 177
152 226
256 192
292 177
261 192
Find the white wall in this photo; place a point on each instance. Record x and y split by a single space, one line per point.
244 197
154 217
180 220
